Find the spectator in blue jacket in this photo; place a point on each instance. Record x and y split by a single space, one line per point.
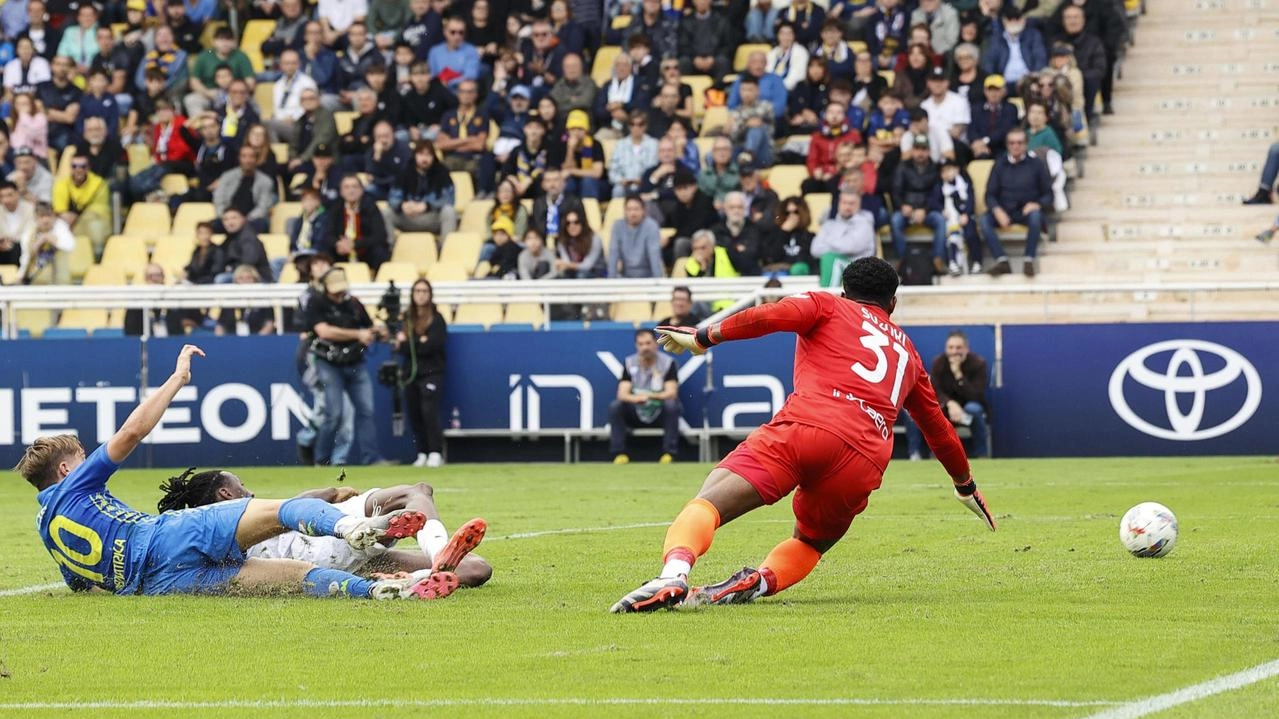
991 120
1018 191
1014 49
771 87
320 64
455 59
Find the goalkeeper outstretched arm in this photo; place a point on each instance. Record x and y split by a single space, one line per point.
797 313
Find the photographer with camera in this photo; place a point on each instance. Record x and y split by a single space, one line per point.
421 345
341 329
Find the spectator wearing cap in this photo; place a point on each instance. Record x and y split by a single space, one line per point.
942 19
947 111
1018 191
1015 49
320 173
750 124
632 155
771 87
422 200
835 131
1089 52
692 210
511 121
913 187
991 120
847 236
574 90
504 258
583 158
635 245
455 59
223 52
463 137
617 99
422 108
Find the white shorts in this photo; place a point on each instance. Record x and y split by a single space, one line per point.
327 552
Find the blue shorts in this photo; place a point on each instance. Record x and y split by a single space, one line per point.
193 551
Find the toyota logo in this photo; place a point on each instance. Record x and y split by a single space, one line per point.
1185 426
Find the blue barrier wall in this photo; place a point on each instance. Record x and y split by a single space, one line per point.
1067 390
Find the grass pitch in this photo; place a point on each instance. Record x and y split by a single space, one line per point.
919 612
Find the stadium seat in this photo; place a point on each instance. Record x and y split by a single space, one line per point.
255 33
607 144
786 180
33 321
632 311
592 208
173 252
447 272
263 95
699 84
277 245
281 151
289 274
345 120
614 212
462 248
206 35
104 275
139 158
402 273
81 257
482 270
175 184
475 217
113 332
65 333
744 51
857 46
463 188
83 318
525 313
602 67
716 118
478 313
818 208
147 219
125 251
356 272
888 76
9 275
979 173
281 214
662 310
417 248
189 215
704 145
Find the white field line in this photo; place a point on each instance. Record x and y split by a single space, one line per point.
33 589
1194 692
532 702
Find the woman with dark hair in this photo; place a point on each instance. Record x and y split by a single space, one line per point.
911 82
580 249
804 104
789 249
482 32
868 84
421 346
571 35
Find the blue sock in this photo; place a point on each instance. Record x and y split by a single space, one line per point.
308 515
335 582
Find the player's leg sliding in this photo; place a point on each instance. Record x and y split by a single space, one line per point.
464 541
315 517
786 565
423 584
688 538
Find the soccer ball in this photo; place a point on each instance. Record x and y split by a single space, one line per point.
1148 530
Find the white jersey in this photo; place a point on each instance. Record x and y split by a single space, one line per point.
327 552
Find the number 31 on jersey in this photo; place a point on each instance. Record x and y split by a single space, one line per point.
875 340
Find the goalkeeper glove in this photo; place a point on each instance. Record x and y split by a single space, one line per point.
677 339
969 496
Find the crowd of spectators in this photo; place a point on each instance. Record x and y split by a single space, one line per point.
881 104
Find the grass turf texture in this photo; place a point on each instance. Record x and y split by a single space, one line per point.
918 603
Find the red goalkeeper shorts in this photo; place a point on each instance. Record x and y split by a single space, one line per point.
832 481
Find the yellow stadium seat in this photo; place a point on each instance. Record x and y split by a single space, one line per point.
345 120
592 208
857 46
206 36
463 188
264 96
139 158
979 173
147 219
33 321
525 313
189 215
462 248
255 33
125 251
607 144
175 184
403 273
173 252
417 248
276 245
482 270
281 214
716 118
81 257
786 180
9 275
744 51
632 311
356 272
447 272
662 310
478 313
699 84
475 218
602 67
818 208
281 150
89 319
289 274
888 76
104 275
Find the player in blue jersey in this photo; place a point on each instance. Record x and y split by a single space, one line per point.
100 542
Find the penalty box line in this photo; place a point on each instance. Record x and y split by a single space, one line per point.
1194 692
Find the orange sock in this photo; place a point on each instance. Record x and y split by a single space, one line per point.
788 563
691 533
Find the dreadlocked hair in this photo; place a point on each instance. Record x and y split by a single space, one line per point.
190 490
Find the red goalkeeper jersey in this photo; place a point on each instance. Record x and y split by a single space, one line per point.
854 371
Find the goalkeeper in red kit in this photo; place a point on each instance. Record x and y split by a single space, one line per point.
854 372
